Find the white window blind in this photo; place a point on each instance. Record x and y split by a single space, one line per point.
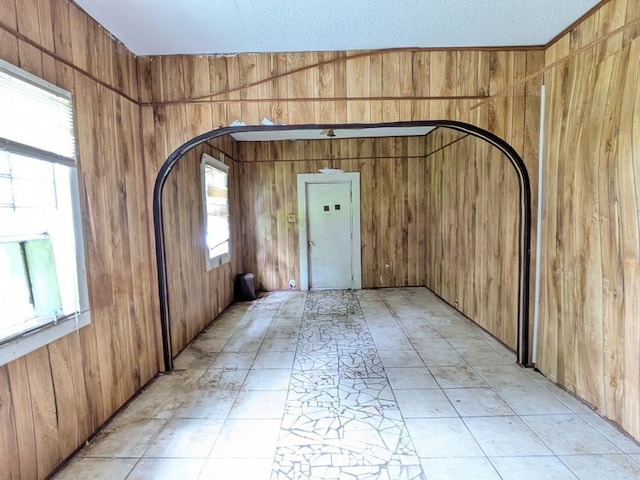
35 114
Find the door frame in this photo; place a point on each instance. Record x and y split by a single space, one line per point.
356 255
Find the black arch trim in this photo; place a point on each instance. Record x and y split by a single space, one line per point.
524 224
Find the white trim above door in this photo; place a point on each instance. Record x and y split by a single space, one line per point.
303 227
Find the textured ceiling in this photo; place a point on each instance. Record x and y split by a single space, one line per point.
160 27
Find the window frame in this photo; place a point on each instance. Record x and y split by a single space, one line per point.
223 258
34 337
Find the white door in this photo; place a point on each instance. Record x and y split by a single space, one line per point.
329 235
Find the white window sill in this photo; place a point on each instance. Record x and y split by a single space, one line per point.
32 341
218 261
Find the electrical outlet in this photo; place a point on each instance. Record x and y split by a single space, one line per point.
292 219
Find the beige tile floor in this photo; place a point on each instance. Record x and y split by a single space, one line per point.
468 410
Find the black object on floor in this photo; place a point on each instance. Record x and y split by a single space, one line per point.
244 289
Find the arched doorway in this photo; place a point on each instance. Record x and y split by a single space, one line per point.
523 228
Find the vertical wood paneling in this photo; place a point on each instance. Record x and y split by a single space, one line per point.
43 409
24 419
392 201
8 42
302 97
629 177
247 66
590 300
80 389
9 440
432 213
358 73
196 295
472 252
54 398
65 397
266 248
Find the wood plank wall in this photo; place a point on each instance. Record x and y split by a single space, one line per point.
471 220
392 190
438 210
187 95
196 296
590 298
53 399
164 128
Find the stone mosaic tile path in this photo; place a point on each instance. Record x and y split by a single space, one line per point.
341 419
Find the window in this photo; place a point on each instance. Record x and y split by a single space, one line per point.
215 200
43 289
